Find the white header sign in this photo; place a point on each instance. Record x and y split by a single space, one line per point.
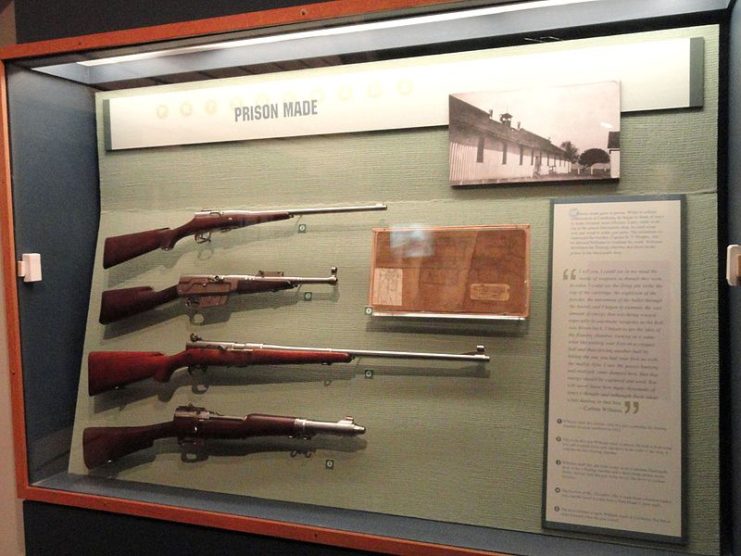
392 94
614 446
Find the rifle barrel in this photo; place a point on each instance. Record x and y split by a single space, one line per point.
325 210
479 355
343 427
257 278
297 212
297 279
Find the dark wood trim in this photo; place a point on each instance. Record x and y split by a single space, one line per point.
268 18
258 526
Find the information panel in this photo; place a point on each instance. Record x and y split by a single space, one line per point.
614 440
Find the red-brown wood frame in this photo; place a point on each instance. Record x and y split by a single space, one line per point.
288 530
321 11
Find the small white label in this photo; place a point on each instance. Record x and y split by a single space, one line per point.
489 292
388 286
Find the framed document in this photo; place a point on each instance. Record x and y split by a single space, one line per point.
451 272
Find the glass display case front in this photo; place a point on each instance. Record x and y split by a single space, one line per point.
462 301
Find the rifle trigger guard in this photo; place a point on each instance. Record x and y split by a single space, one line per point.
203 237
192 449
200 383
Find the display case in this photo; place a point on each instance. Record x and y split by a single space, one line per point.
422 333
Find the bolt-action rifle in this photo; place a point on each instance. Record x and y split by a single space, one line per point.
108 370
199 291
118 249
192 426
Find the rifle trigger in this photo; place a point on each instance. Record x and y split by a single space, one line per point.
193 368
191 441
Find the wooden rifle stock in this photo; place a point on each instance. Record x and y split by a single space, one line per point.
103 444
199 291
111 369
125 302
193 425
108 370
118 249
122 248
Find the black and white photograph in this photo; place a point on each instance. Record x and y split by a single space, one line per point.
557 134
